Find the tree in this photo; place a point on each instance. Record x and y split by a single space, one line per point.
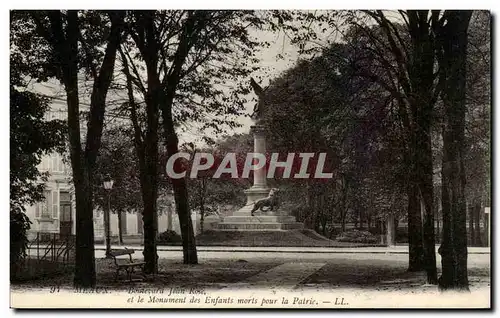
67 42
187 57
207 194
322 105
117 160
31 137
410 73
398 57
401 52
477 122
405 57
452 57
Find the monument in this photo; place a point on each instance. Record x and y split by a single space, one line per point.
252 216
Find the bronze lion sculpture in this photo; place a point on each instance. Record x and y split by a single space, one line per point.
271 201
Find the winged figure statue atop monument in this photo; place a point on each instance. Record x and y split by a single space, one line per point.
258 109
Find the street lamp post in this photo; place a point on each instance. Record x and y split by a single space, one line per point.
487 211
108 185
169 209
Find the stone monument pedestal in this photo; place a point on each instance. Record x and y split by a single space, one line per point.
253 195
242 220
259 223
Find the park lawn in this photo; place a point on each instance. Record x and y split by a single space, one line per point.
296 238
34 269
366 273
208 273
214 273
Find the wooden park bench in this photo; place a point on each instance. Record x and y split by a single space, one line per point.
128 265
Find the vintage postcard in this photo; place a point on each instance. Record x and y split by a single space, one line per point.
254 159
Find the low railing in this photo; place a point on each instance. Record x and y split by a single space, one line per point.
46 254
51 247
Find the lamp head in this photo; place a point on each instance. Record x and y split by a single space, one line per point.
108 183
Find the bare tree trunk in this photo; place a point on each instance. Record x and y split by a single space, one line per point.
202 204
186 223
194 22
344 203
471 233
316 214
428 231
202 220
84 225
146 147
63 38
149 190
453 250
66 49
324 211
149 217
421 77
120 221
181 196
477 217
311 201
416 249
147 152
438 230
360 215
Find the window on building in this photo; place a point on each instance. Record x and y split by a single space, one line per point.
55 204
38 210
65 196
46 206
44 164
49 209
53 162
60 164
65 206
